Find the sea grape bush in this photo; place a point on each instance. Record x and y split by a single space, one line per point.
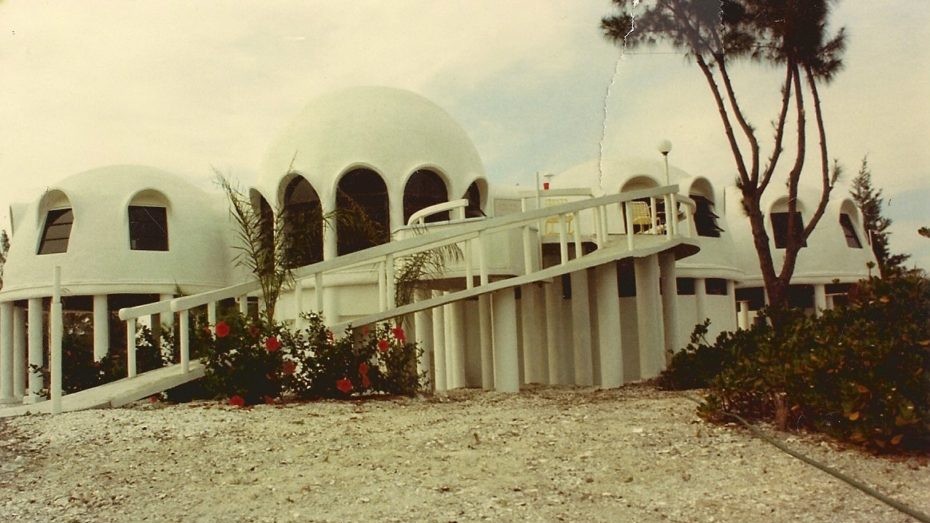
860 372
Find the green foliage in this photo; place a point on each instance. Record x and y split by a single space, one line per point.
4 249
860 373
695 366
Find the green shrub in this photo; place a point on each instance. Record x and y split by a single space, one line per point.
695 366
860 373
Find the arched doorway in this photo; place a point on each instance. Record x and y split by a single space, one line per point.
425 188
363 211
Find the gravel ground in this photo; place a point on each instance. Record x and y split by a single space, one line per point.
631 454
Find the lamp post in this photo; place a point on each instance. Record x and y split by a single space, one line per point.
665 147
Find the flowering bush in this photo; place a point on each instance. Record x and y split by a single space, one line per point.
242 359
251 361
320 365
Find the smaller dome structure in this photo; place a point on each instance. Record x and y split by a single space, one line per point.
120 229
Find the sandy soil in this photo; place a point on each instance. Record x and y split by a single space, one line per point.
633 454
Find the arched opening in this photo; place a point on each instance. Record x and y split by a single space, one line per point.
642 214
474 197
849 220
265 216
303 223
148 221
59 218
425 188
363 208
705 219
783 220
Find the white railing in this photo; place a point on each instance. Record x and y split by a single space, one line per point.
473 235
457 207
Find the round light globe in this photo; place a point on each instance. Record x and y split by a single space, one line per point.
665 147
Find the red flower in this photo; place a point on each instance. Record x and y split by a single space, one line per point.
272 344
222 329
399 334
288 367
383 345
344 385
237 400
254 331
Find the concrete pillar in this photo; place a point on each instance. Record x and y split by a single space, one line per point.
166 319
487 341
608 326
535 355
36 350
581 329
506 362
667 276
423 334
700 300
743 315
820 299
558 373
439 347
101 327
649 323
456 344
6 352
330 247
19 353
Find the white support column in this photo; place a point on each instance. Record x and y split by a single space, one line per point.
6 352
581 330
131 347
820 299
649 324
56 328
532 315
559 373
423 328
439 347
506 362
211 313
36 350
243 305
487 342
456 344
743 315
184 333
700 300
101 327
167 319
667 276
19 353
330 245
608 326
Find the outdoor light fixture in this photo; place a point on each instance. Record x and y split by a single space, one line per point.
665 147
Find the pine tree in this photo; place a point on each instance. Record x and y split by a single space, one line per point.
869 200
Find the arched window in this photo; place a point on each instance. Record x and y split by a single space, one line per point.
705 219
780 218
363 207
148 222
473 195
423 189
639 183
847 223
303 223
58 221
265 216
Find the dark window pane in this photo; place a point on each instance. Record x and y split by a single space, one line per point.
362 203
56 232
626 279
705 220
852 239
801 296
685 286
303 223
716 286
148 228
423 189
473 194
754 295
780 228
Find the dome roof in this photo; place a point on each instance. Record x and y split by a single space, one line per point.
611 174
99 259
391 131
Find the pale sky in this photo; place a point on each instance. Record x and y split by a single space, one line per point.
188 86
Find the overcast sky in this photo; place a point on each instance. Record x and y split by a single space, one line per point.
191 85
